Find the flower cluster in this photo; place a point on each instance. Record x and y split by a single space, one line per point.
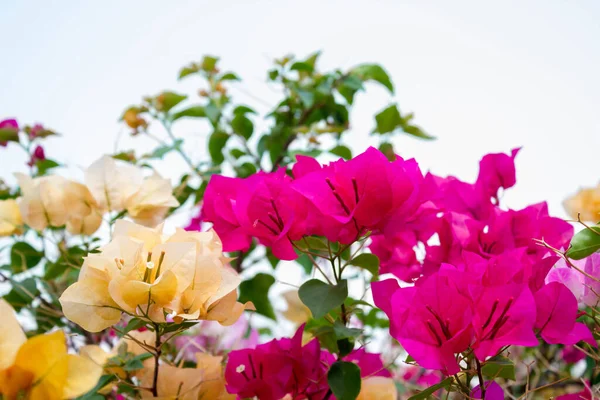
56 201
287 367
40 367
146 274
340 201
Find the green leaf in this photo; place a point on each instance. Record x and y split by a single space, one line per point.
256 290
23 257
242 110
367 261
209 63
388 150
305 262
22 293
44 166
93 394
302 66
344 380
376 73
584 243
307 97
242 126
133 325
191 112
216 143
414 130
162 151
388 120
237 153
127 156
9 135
445 384
212 112
342 151
230 76
245 170
273 74
345 346
343 332
321 298
313 243
189 70
499 366
167 100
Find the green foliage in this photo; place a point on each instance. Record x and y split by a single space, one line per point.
321 298
499 367
367 261
425 394
344 380
256 290
584 243
23 257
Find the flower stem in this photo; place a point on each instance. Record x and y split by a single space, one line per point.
157 354
480 376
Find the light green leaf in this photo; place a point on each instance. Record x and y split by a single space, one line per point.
192 112
388 120
584 243
376 73
342 151
367 261
499 367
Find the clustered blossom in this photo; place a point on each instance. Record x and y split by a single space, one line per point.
144 273
40 367
287 367
341 201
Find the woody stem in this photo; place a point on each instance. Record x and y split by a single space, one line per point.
480 376
157 354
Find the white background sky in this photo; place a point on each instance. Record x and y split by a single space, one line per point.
481 77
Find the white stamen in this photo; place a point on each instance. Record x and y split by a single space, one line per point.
149 265
241 368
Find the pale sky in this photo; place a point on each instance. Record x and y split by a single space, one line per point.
481 76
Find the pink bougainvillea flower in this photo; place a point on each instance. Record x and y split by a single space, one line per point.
429 327
504 315
493 391
557 314
37 155
571 354
569 277
591 292
370 363
9 124
359 194
497 171
218 207
396 255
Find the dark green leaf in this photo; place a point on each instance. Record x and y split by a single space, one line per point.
185 71
376 73
192 112
305 262
499 367
584 243
22 293
243 110
344 380
343 332
414 130
209 63
321 298
345 346
133 325
237 153
367 261
9 135
245 170
273 74
302 66
242 126
93 394
445 384
388 120
44 166
229 76
216 143
256 290
23 257
342 151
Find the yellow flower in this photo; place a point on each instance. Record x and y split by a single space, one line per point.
378 388
40 368
586 202
148 275
10 217
149 205
296 312
203 382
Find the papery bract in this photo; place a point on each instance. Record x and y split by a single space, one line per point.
493 391
10 217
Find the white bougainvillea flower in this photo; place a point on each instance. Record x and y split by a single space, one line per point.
149 205
111 183
10 217
40 368
149 275
43 201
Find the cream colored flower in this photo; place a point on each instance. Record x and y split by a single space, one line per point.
203 382
43 201
149 205
585 202
40 368
10 217
378 388
148 275
111 183
296 312
56 201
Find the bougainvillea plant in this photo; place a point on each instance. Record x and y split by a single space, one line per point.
398 283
